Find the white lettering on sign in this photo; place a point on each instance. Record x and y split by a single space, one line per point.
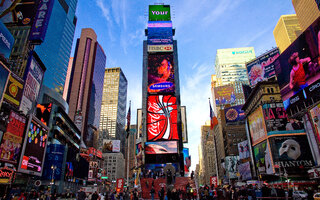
5 41
160 48
42 13
159 12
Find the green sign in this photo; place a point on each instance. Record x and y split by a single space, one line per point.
159 13
104 177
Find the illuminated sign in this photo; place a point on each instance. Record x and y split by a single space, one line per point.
166 147
159 13
43 112
6 41
6 175
224 95
242 52
160 48
13 93
120 183
155 24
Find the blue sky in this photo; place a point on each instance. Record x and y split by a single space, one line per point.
202 27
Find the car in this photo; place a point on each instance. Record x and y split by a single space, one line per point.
297 195
316 196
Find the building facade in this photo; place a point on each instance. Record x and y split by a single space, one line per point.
114 165
86 84
307 12
286 31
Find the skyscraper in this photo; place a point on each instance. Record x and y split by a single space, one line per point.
286 31
56 48
307 12
86 84
113 105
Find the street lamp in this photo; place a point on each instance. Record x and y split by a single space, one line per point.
53 167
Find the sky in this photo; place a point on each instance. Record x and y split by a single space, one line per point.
202 27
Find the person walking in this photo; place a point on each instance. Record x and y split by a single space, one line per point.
81 195
161 194
152 191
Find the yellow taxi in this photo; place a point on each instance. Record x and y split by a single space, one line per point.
316 196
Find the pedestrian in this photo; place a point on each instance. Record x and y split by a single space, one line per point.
152 191
95 196
161 193
81 194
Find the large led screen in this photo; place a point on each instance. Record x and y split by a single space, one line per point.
257 125
259 153
298 71
160 33
43 112
234 114
160 73
315 116
167 147
262 68
224 95
34 149
13 93
275 116
159 13
187 160
162 118
291 152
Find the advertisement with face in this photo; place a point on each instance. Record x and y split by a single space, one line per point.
275 117
232 166
184 125
257 125
259 151
159 13
34 148
234 114
315 116
224 95
243 148
110 146
262 68
298 70
160 74
13 93
162 118
160 33
245 171
167 147
291 152
11 142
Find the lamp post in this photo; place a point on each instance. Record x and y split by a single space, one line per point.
53 167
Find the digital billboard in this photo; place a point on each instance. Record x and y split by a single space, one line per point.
110 146
259 152
315 116
257 125
224 95
139 160
54 157
234 114
162 118
184 124
231 163
245 171
160 48
275 116
159 13
187 160
291 152
161 147
262 68
244 151
35 143
4 74
160 33
43 112
160 73
11 143
298 71
6 42
14 90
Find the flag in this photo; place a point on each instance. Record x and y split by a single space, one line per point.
213 118
128 120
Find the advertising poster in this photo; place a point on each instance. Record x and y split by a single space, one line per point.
54 157
184 125
167 147
234 114
160 48
315 116
187 159
160 33
160 73
139 123
214 181
275 116
159 13
243 148
33 81
6 42
262 68
224 95
76 166
4 74
11 143
298 71
160 167
257 125
139 160
245 171
43 112
268 161
231 163
34 148
120 183
110 146
14 90
259 151
291 152
162 118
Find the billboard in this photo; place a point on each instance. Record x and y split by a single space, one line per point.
234 114
43 112
315 116
275 116
224 95
160 48
291 152
259 152
139 123
160 73
6 42
54 157
11 143
4 74
120 183
160 167
257 125
187 160
214 181
159 13
184 125
231 163
160 33
162 118
167 147
34 147
245 171
244 151
41 21
139 160
110 146
14 90
262 68
33 81
298 71
21 14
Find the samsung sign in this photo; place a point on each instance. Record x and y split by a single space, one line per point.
41 21
6 41
242 52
